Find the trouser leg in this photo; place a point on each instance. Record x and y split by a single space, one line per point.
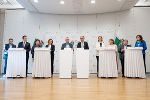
27 59
52 64
97 57
5 67
122 64
144 62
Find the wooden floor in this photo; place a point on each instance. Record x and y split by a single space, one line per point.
75 89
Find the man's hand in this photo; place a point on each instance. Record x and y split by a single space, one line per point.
122 50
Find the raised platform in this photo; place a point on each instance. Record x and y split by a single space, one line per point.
74 89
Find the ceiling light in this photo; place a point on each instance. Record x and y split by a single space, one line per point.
119 0
62 2
36 1
93 1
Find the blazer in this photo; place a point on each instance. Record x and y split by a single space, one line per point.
27 47
32 50
64 46
122 53
52 49
86 46
7 46
142 44
98 47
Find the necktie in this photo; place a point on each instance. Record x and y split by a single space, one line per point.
24 44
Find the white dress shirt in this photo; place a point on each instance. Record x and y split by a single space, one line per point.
49 46
82 44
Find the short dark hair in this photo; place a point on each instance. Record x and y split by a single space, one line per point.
125 40
24 36
10 39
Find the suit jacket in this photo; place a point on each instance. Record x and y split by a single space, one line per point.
52 49
64 46
32 50
122 53
7 46
86 46
27 47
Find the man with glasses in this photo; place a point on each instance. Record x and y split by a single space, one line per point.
83 44
67 44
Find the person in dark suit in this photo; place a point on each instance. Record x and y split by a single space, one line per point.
67 44
37 45
121 51
7 46
52 50
26 46
83 44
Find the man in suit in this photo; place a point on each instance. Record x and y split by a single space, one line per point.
121 51
26 46
82 44
67 44
7 46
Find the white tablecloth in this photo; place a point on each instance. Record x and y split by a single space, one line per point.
134 64
107 62
16 63
82 63
65 63
42 63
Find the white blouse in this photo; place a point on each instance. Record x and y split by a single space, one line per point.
116 49
98 47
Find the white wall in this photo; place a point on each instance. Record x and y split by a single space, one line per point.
2 19
126 24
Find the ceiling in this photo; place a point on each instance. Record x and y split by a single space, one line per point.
9 4
143 3
70 6
77 6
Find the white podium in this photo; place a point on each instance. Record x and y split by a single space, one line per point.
82 63
42 63
16 63
107 62
65 64
134 64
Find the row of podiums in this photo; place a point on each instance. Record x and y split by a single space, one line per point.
134 64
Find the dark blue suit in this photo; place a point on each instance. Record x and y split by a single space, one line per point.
7 46
64 46
27 48
86 46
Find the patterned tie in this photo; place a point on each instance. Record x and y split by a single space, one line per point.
24 44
